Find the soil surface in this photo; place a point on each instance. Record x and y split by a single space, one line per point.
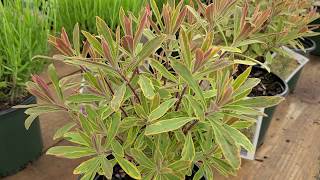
6 104
270 84
119 174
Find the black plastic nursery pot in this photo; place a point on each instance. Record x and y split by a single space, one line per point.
269 111
316 39
123 176
309 46
293 81
18 146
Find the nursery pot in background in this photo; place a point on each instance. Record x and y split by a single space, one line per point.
18 146
281 89
291 75
309 46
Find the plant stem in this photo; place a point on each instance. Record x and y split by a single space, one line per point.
131 88
188 128
180 98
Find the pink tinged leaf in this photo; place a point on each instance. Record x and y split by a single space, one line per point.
153 25
128 26
65 38
63 48
39 95
43 86
106 51
85 49
180 19
142 25
52 40
244 15
199 58
166 18
127 42
202 7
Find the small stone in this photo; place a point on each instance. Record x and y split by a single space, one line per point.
287 140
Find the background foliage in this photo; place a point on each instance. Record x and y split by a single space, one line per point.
24 31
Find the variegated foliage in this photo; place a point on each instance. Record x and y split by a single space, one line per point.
159 96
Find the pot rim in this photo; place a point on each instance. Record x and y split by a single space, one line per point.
27 100
302 60
307 50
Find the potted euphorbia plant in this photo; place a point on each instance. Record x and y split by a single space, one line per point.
136 119
242 26
288 26
23 34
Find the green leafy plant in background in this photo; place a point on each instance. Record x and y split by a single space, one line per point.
66 13
288 21
23 34
156 107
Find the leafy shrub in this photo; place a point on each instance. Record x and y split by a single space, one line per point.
160 96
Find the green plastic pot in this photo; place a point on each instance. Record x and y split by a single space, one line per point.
265 123
18 146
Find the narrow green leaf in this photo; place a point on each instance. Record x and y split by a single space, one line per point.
222 166
243 110
188 151
247 85
161 110
167 125
184 42
29 120
105 31
248 42
259 102
76 38
180 165
87 166
241 78
95 44
75 137
55 80
118 97
128 167
117 148
227 144
71 152
149 48
157 14
114 126
187 76
146 87
106 167
197 108
240 138
160 68
41 109
84 98
142 159
60 132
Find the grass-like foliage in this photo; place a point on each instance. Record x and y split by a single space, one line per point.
159 95
23 34
66 13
